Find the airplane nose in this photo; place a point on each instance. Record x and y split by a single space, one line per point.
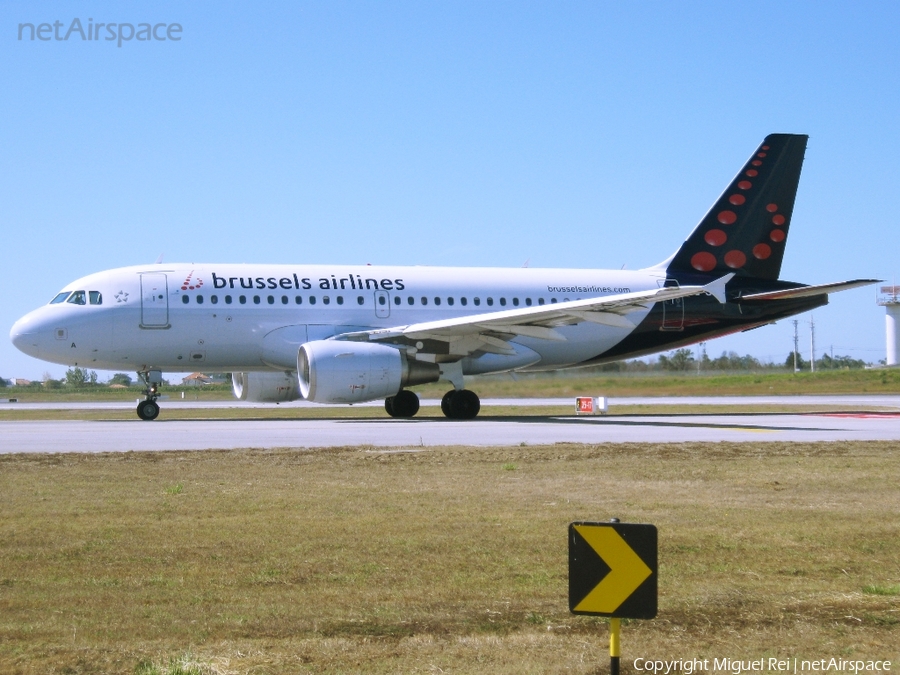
26 335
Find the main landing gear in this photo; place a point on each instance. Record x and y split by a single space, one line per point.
404 404
148 409
459 404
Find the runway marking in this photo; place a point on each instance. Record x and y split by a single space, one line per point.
870 415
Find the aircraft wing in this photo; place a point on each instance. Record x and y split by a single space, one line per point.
807 291
491 331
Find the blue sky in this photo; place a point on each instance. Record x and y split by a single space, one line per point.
578 134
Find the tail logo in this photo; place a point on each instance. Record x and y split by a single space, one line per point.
720 228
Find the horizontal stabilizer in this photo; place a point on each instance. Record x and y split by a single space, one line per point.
807 291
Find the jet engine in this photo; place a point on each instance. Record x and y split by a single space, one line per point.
337 371
265 387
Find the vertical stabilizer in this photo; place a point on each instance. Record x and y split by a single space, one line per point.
746 230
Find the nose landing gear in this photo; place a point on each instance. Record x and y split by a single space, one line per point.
148 409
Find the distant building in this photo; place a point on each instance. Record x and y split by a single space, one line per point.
19 382
196 380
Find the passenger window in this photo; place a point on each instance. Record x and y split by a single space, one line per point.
437 301
326 300
95 297
199 299
528 301
284 300
424 300
312 299
61 297
477 302
185 299
516 302
255 299
540 301
77 298
271 299
360 300
490 302
553 301
411 300
340 299
381 300
463 301
450 301
214 299
227 299
298 300
243 299
396 299
503 302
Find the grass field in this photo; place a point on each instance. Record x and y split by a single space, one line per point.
567 383
450 560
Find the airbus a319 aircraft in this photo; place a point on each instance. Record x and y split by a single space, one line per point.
348 334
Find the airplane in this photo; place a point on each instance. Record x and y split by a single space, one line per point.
355 333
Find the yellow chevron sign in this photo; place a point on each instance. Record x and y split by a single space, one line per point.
612 570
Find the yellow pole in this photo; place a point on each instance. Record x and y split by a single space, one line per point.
615 647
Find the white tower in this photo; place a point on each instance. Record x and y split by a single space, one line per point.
889 298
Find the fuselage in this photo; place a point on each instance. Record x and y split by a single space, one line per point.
221 318
253 317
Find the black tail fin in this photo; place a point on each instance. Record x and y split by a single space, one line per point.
746 229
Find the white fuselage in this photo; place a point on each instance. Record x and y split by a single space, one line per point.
254 317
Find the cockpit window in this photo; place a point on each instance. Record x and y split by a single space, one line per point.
77 298
96 297
60 298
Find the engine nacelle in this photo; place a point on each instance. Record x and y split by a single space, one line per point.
337 371
265 387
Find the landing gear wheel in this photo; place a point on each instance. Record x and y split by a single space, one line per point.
148 410
445 403
404 404
460 405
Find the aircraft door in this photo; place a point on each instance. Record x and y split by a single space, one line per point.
382 304
154 300
673 310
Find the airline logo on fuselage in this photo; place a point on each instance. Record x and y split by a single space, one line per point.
188 285
352 282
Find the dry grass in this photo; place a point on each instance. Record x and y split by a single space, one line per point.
446 560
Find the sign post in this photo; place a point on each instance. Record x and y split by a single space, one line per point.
613 573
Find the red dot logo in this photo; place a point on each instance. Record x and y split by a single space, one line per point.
756 162
745 185
727 217
771 208
778 220
184 288
760 154
735 259
737 200
703 261
762 251
765 147
715 237
777 235
751 172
